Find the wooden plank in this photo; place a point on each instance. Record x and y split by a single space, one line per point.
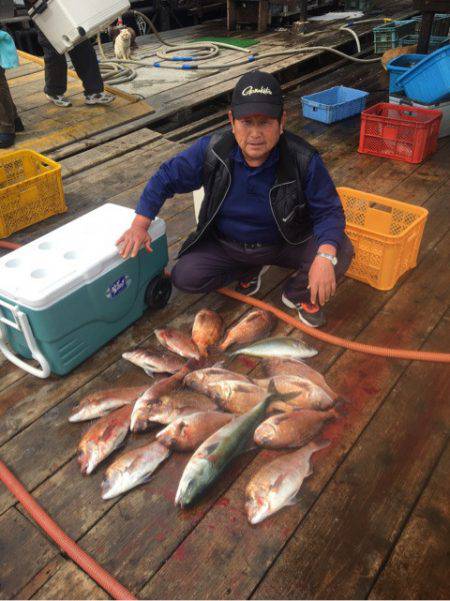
70 583
101 154
24 552
366 504
340 320
418 567
96 124
40 578
364 381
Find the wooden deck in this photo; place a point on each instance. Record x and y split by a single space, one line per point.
175 93
373 520
48 127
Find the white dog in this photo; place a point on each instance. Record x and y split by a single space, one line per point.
122 44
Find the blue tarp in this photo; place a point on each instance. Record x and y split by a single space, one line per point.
8 52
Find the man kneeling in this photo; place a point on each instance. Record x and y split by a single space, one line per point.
269 200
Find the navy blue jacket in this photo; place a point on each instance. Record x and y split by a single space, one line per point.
249 221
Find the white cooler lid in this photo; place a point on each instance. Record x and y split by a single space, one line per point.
46 270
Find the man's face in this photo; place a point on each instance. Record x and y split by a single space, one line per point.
257 135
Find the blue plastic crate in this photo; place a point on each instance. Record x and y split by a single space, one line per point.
388 36
334 104
436 41
398 67
429 80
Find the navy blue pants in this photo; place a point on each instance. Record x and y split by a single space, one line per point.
214 263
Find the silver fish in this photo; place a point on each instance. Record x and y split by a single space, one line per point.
133 468
277 483
277 347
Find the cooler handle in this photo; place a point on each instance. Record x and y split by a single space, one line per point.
22 324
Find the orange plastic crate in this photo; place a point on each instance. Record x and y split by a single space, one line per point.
385 234
399 132
30 190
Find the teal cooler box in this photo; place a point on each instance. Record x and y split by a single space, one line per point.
64 295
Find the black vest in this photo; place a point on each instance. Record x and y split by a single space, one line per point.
287 199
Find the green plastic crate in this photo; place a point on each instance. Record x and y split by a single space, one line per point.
436 41
364 5
441 24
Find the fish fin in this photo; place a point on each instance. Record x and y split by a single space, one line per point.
340 405
278 482
149 372
211 448
272 391
295 498
321 443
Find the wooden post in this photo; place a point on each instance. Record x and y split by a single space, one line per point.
425 32
263 15
231 15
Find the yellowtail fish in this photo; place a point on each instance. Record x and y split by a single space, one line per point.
187 433
207 330
294 429
104 437
178 342
277 347
153 361
133 468
103 402
251 327
277 483
215 454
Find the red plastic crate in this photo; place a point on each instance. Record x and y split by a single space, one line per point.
399 132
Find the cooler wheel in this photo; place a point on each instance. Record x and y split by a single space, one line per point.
158 292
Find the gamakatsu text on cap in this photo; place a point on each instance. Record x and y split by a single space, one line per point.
249 90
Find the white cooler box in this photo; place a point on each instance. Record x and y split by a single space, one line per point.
66 23
444 107
67 293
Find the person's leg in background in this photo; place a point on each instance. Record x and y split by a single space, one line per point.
9 120
55 73
296 293
86 65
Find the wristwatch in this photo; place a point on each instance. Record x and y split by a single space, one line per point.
331 258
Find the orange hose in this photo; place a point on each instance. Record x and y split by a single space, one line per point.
64 542
335 340
9 245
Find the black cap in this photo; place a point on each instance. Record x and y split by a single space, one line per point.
257 93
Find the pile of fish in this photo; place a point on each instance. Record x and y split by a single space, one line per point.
214 412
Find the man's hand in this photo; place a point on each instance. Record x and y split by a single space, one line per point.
322 281
135 238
